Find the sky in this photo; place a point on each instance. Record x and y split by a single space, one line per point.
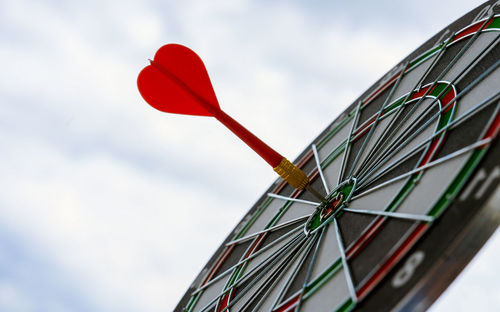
109 205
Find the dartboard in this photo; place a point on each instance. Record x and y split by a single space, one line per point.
410 173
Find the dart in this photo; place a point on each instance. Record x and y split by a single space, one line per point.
176 81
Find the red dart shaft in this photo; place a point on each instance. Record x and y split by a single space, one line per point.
265 151
288 171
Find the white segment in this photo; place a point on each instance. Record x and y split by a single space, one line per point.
378 199
432 184
486 88
266 254
335 141
410 79
296 210
379 129
332 172
251 293
210 293
328 252
330 296
472 52
266 216
418 139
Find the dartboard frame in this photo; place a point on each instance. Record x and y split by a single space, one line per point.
431 256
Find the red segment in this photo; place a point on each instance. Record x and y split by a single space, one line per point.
423 91
379 90
493 130
434 148
365 238
471 29
163 91
255 245
218 264
447 98
225 302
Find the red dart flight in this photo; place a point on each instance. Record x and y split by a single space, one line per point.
177 82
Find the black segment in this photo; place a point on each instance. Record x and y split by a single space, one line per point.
485 63
374 106
300 277
274 235
402 168
468 132
234 257
352 225
447 56
374 253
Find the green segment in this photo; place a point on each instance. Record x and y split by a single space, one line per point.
457 183
394 105
311 288
192 302
424 56
440 90
405 190
346 306
494 24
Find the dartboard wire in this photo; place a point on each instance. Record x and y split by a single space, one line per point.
420 230
397 215
320 235
385 134
397 145
348 276
348 143
228 289
375 225
282 251
278 254
298 200
455 123
384 158
464 71
293 275
290 256
250 257
275 279
368 136
440 76
457 79
438 161
318 166
354 171
402 140
273 228
251 249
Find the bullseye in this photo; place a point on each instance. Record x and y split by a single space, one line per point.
332 207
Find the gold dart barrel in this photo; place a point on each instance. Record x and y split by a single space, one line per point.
292 174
